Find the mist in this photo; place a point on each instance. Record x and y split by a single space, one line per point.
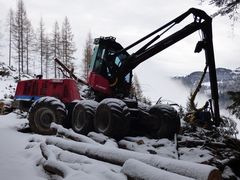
157 82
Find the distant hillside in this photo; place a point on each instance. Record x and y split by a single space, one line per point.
228 80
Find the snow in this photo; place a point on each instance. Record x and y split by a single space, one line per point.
21 157
94 169
166 148
16 162
195 154
7 87
139 170
70 132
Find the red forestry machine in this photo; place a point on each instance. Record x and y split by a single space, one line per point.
112 111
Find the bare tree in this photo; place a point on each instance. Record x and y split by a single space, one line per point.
1 37
29 40
47 53
44 49
18 32
87 55
10 24
56 46
40 43
68 46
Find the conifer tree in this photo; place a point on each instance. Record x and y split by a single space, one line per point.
56 46
29 42
137 88
40 43
226 7
68 45
137 91
235 106
10 24
47 54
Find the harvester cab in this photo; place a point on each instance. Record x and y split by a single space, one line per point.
105 63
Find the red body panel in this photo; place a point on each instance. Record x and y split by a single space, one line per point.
64 89
99 83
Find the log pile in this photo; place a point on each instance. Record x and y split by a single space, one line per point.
134 165
134 162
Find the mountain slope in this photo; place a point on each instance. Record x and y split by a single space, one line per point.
228 80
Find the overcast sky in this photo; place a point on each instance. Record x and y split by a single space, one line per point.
129 20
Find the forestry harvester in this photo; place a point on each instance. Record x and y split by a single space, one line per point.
112 111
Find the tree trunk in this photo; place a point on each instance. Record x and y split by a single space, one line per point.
10 41
51 164
139 170
72 135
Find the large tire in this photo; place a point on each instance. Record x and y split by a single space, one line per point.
43 112
167 120
112 118
83 115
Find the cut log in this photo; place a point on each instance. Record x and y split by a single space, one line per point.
72 135
73 158
98 137
51 164
124 144
138 170
111 143
119 156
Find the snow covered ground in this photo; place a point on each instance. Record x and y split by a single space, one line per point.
16 161
21 156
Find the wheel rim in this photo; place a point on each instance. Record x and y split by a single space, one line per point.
45 116
80 120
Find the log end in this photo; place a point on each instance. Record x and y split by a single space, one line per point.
215 175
